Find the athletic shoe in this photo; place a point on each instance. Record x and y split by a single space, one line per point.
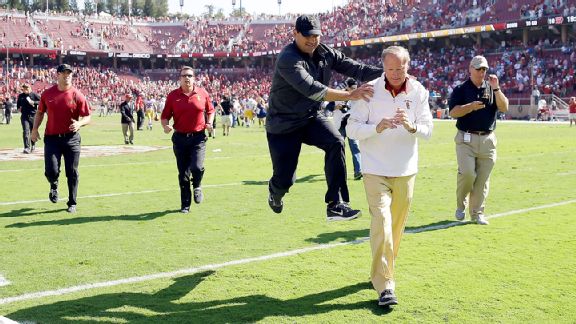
71 209
459 214
32 148
26 151
357 176
275 203
481 220
341 211
185 210
198 195
126 142
53 195
387 298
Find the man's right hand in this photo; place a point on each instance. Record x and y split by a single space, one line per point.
34 136
475 105
365 92
167 129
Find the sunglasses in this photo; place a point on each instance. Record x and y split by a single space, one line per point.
187 75
482 69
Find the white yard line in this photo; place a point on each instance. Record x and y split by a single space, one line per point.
182 272
3 281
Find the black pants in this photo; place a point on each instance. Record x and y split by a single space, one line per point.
27 124
56 146
285 150
7 115
140 119
190 150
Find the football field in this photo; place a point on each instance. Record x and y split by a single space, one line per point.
129 256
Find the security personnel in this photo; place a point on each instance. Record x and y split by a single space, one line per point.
476 103
27 103
67 111
192 110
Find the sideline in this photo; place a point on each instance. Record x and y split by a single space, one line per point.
188 271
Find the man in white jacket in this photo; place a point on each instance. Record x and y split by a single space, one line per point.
388 128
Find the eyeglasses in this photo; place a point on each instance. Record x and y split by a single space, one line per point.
481 69
187 75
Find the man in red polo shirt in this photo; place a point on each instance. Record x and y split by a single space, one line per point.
192 110
67 111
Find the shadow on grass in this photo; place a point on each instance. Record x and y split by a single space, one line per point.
164 306
346 236
308 178
83 220
363 235
30 212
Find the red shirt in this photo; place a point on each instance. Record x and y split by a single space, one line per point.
573 108
62 107
188 111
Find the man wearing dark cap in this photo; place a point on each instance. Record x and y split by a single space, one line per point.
27 103
127 119
67 111
299 86
475 103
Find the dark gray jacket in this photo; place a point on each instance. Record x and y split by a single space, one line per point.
300 83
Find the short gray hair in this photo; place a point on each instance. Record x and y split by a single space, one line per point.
398 51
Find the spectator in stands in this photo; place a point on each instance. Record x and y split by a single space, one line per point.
191 108
27 103
127 119
68 111
299 85
389 139
572 110
475 103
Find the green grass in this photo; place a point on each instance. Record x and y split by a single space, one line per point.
518 269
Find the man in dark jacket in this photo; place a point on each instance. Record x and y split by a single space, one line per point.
299 86
127 119
27 103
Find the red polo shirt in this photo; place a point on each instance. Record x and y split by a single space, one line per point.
62 107
188 111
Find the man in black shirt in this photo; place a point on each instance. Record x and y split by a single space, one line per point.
475 103
299 86
127 119
226 107
27 103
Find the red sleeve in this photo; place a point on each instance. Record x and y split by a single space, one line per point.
209 106
82 105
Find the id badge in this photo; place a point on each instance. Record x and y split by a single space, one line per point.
467 137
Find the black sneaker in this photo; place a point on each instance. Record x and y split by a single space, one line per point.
275 203
198 195
53 195
341 211
357 176
387 298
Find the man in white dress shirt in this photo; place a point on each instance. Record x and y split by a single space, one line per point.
388 128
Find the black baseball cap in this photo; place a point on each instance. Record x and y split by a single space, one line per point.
64 67
308 25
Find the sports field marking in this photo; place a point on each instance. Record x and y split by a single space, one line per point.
188 271
3 282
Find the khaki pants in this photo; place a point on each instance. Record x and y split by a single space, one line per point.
475 162
389 200
125 129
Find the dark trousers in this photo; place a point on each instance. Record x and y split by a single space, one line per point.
27 124
140 119
56 146
285 150
7 115
190 150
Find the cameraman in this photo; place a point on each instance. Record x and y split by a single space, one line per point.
341 112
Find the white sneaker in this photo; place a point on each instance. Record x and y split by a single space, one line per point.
460 214
481 220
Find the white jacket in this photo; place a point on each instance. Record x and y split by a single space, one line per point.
393 152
